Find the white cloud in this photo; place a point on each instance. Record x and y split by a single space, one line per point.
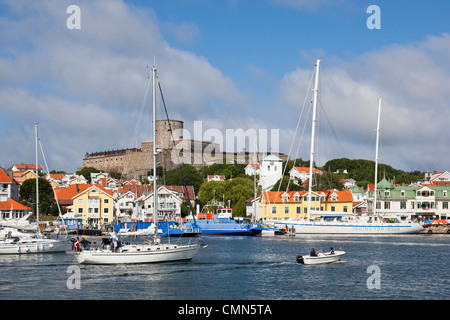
85 85
412 81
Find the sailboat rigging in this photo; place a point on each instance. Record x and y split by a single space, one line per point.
152 252
36 243
353 224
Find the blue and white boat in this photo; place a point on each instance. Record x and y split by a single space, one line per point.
223 223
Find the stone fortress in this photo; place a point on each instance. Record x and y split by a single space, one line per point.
135 162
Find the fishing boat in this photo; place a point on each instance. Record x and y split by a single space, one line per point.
321 258
20 243
351 224
154 251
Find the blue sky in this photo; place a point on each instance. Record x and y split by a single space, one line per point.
230 64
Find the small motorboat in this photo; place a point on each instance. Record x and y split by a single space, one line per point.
320 258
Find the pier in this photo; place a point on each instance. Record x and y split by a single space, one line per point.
436 229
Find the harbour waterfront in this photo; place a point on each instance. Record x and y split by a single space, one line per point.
407 267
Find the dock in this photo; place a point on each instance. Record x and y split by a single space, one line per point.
436 229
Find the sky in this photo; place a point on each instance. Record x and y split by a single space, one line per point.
227 65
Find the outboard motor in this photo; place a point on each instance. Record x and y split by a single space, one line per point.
299 259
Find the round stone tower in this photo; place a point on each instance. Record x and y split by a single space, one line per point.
164 136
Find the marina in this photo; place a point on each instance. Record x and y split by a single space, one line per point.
411 267
282 152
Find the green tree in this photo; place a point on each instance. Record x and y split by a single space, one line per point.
47 203
327 180
363 171
236 191
192 176
290 164
228 170
210 190
86 172
285 183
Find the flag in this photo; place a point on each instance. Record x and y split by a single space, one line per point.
158 163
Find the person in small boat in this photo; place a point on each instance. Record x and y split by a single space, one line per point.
331 250
313 253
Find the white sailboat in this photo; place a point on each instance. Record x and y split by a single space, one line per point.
152 252
352 224
33 243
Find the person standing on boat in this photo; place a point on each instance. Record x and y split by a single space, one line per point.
114 241
313 253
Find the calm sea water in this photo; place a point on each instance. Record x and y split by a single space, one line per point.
249 268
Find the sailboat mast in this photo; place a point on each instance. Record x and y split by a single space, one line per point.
155 215
37 176
313 129
376 158
254 184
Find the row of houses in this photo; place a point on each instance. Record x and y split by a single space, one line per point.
426 200
93 204
103 200
96 205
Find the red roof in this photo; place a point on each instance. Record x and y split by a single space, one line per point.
276 196
65 195
23 166
6 205
56 175
306 169
178 189
4 178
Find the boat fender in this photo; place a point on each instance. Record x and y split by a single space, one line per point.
300 259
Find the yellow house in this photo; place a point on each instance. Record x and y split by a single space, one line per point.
94 205
338 201
294 204
29 174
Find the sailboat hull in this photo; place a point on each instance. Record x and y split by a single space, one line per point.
351 228
33 246
136 254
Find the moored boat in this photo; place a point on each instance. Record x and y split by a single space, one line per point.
223 223
151 252
20 243
373 224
